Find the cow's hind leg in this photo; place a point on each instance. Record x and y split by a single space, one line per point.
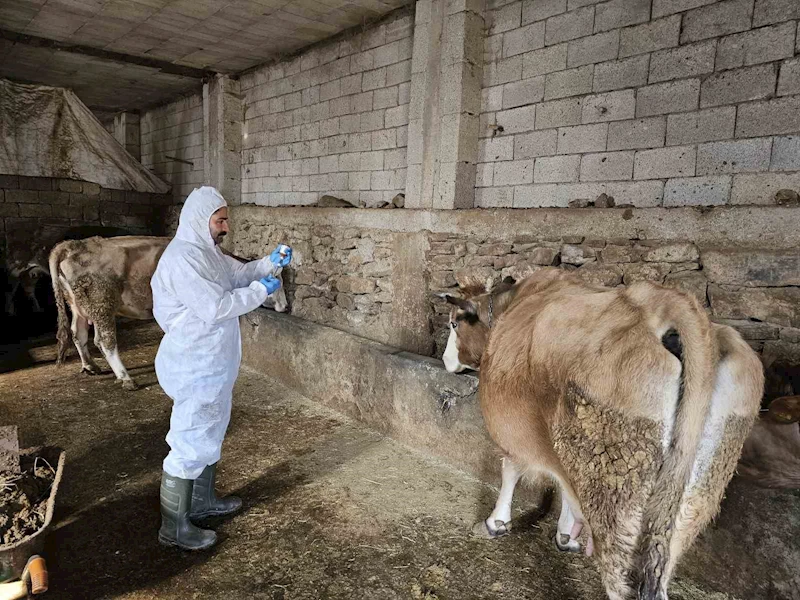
499 522
80 335
106 334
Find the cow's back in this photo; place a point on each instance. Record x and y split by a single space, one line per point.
122 263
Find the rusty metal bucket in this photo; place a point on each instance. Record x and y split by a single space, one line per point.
14 556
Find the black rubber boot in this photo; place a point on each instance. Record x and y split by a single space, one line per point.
205 502
176 528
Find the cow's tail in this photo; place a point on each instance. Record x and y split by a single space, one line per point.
64 334
699 357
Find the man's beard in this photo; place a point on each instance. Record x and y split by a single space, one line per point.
218 237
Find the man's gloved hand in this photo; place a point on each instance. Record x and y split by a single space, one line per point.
281 261
270 282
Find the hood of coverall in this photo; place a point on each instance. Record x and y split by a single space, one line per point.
193 226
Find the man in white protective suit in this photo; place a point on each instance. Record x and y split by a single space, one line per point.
199 294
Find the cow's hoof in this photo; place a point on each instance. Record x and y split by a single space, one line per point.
130 385
565 544
482 530
91 370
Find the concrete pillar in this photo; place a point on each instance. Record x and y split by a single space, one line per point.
222 137
447 71
412 311
128 133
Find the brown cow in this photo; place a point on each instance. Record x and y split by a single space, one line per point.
102 278
577 383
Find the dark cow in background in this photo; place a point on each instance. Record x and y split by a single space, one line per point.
26 259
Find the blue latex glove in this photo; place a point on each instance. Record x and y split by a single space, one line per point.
281 261
270 282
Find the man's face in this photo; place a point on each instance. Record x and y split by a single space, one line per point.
219 224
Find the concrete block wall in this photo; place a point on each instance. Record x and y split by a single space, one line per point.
333 120
654 102
175 130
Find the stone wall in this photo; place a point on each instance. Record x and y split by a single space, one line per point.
755 291
340 276
350 271
172 144
654 102
331 121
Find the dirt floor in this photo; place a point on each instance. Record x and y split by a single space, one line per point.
331 509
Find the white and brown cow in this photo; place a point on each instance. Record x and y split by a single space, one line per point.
102 278
577 382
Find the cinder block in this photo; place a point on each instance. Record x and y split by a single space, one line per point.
620 74
559 113
484 176
329 164
662 8
555 194
546 60
663 98
769 118
22 196
720 18
330 90
685 61
538 10
538 143
786 154
607 166
384 140
569 26
494 149
760 188
621 13
738 85
494 197
573 82
372 80
665 162
636 133
492 98
395 74
397 116
611 106
358 103
502 71
758 46
557 169
524 39
697 191
516 120
394 159
583 138
701 126
520 93
513 172
740 156
506 18
371 121
350 123
593 49
359 180
656 35
775 11
385 98
642 194
789 80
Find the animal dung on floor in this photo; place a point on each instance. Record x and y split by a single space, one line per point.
23 499
9 449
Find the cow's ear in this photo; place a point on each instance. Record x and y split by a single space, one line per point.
466 305
785 409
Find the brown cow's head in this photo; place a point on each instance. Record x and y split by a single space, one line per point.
471 318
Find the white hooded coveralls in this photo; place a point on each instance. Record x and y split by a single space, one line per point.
198 295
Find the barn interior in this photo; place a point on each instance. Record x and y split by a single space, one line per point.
399 148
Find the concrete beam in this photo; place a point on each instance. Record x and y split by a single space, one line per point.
745 227
222 136
446 79
128 133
